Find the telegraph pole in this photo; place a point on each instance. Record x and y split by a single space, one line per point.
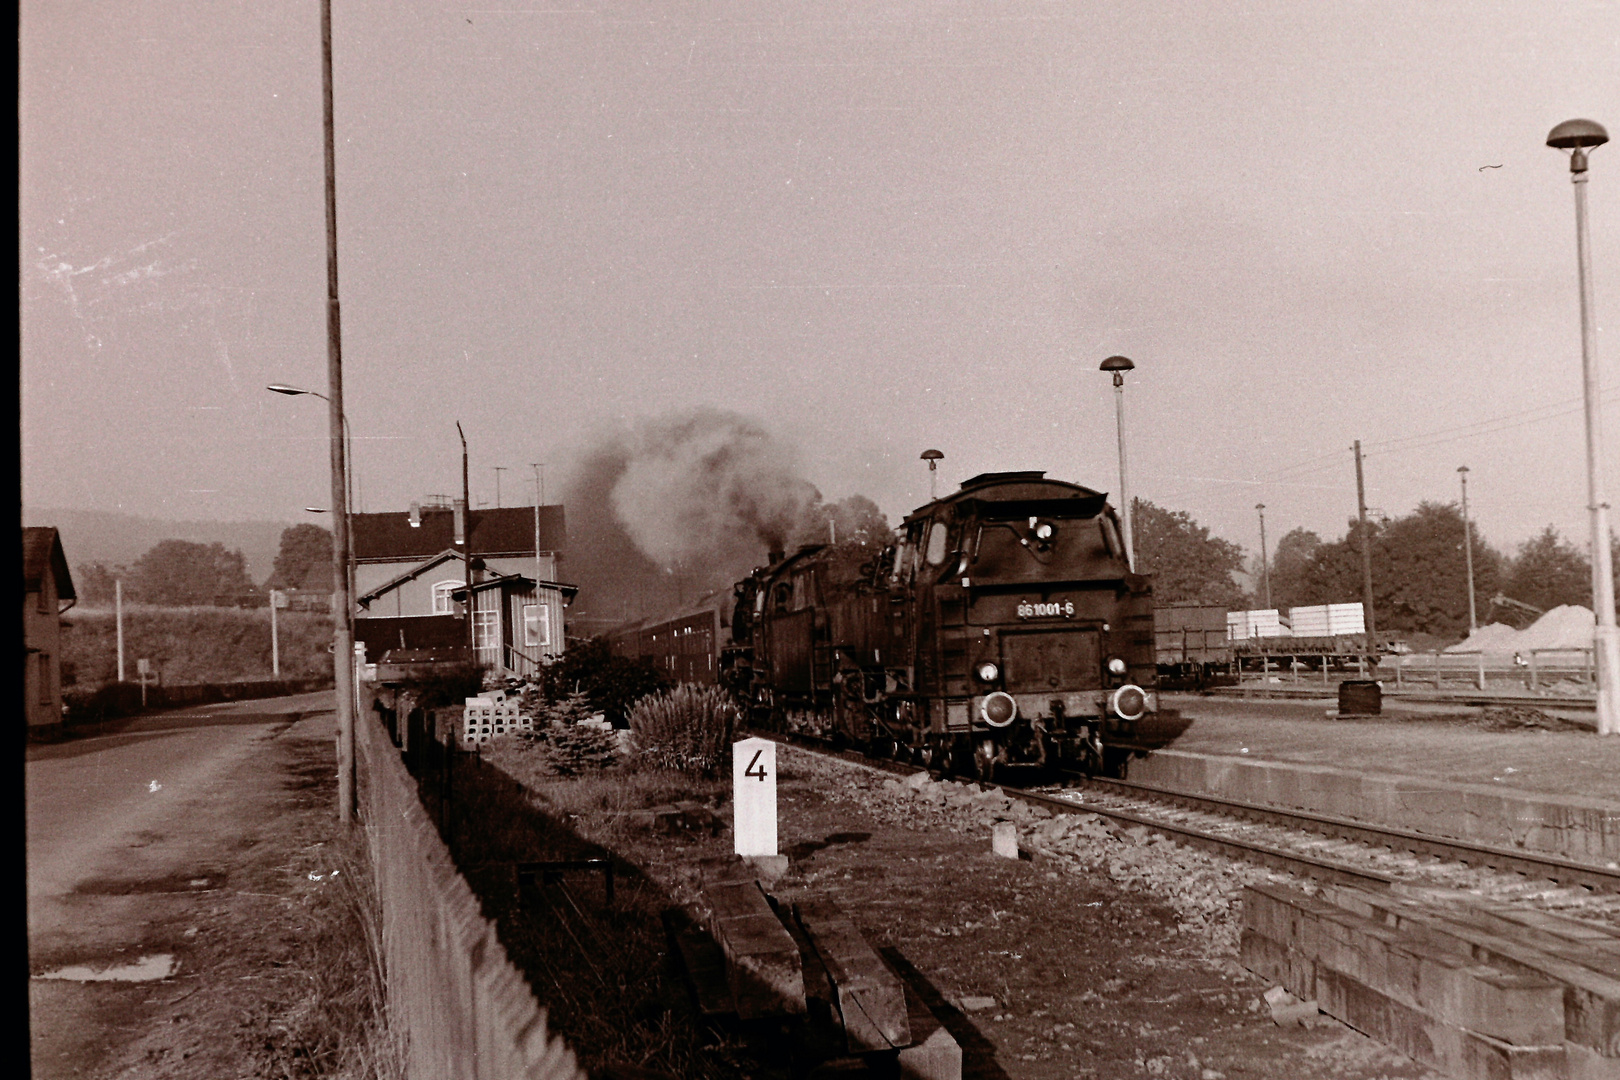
1468 550
1366 549
342 594
1265 570
498 470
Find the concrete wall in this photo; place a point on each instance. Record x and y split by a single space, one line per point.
462 1007
1576 828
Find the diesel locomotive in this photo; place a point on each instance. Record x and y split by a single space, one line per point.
1002 625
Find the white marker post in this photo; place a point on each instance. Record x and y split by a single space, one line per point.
753 796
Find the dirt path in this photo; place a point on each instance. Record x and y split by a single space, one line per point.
193 847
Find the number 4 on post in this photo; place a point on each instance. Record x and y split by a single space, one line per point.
755 768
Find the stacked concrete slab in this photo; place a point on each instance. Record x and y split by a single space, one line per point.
1477 991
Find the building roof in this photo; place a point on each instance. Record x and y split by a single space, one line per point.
503 531
451 555
42 547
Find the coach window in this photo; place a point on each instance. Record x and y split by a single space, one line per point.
938 538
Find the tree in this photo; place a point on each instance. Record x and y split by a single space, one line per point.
1549 571
304 561
181 573
1292 566
1420 578
98 582
1189 566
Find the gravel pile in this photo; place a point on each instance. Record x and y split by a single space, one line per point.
1203 889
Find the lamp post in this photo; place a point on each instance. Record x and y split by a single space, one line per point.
933 457
1119 365
1265 570
1577 136
343 668
1468 551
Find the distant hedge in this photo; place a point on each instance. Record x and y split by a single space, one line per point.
196 645
115 700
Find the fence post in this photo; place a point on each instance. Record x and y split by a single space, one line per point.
1482 670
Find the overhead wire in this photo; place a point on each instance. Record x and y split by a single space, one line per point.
1324 462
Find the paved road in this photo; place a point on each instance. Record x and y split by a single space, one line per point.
110 819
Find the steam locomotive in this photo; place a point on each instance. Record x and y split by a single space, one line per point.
1001 626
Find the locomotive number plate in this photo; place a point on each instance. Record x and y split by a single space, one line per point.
1054 610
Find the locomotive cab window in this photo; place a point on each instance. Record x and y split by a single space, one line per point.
783 596
938 541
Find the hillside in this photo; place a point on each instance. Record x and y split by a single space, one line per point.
92 536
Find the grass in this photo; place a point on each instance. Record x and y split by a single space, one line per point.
338 1027
605 975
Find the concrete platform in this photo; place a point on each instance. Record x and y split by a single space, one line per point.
1553 792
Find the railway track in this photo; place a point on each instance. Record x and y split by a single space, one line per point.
1330 850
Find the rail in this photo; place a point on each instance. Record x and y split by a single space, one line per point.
1545 867
1539 867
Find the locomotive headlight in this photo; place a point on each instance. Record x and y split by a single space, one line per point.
999 709
1129 702
1116 666
987 672
1043 531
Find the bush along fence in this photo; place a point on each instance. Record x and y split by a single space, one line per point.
465 1011
116 700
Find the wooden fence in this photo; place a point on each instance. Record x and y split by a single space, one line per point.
463 1009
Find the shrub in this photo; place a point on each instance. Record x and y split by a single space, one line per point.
572 749
613 683
688 729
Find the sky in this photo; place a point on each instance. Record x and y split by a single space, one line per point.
874 228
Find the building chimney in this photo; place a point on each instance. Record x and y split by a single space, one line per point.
461 522
416 519
775 556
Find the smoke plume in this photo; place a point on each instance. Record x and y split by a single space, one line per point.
675 507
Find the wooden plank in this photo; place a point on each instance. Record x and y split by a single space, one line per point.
1591 999
762 962
1515 1007
705 963
871 998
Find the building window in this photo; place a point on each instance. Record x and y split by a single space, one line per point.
442 603
486 629
536 626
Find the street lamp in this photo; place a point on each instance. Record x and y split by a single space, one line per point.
348 481
343 665
1468 550
1265 572
933 457
1119 365
1577 136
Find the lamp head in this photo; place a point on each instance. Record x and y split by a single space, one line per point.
1576 136
933 457
290 391
1119 365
